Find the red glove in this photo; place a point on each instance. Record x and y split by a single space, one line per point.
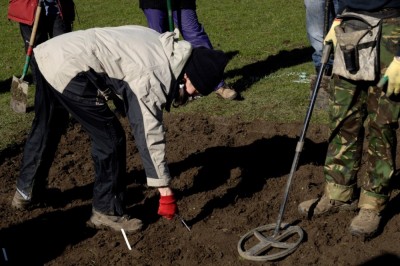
168 207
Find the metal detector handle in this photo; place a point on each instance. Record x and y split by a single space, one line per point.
29 52
326 53
325 57
328 6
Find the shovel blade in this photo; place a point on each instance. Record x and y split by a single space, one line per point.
19 95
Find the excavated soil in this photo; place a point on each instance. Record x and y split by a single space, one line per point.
229 177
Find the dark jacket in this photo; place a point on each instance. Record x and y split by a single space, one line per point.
372 5
162 4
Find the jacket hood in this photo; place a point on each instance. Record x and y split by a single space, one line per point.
178 52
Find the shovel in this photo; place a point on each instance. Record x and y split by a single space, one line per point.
19 87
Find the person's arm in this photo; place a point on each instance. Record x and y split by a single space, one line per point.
165 191
145 104
144 111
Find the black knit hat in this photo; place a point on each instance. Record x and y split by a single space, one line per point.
205 69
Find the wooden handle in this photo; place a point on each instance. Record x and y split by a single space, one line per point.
35 24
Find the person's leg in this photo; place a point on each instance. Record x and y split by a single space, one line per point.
108 153
59 26
108 143
156 19
382 124
55 26
315 28
383 115
192 30
41 144
41 36
343 158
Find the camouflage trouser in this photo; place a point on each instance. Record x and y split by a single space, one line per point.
356 108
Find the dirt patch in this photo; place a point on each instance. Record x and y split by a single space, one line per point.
229 177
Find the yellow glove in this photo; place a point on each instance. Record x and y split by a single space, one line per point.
331 36
392 76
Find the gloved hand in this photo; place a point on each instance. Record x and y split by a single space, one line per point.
392 76
331 35
167 207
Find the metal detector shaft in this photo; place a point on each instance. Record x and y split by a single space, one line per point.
170 19
327 14
299 147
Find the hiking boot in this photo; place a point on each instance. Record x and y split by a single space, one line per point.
366 223
226 93
116 223
195 97
324 205
322 100
19 202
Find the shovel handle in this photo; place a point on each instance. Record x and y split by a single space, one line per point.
27 60
32 40
35 24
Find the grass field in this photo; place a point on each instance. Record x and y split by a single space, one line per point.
266 41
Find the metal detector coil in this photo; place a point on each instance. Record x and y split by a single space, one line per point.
283 232
270 248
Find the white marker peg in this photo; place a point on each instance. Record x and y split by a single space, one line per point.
126 239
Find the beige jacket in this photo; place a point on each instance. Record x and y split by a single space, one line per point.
137 58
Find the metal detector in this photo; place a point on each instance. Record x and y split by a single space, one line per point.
285 238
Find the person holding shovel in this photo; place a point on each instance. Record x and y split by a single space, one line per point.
366 89
146 72
185 17
56 18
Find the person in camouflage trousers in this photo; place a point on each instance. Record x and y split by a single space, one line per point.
360 109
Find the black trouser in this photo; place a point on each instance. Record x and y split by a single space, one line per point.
107 139
50 122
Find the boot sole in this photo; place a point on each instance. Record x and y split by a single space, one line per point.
363 236
21 204
95 223
347 207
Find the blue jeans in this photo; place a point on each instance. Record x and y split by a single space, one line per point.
187 22
315 17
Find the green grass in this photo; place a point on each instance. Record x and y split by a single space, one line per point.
265 39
